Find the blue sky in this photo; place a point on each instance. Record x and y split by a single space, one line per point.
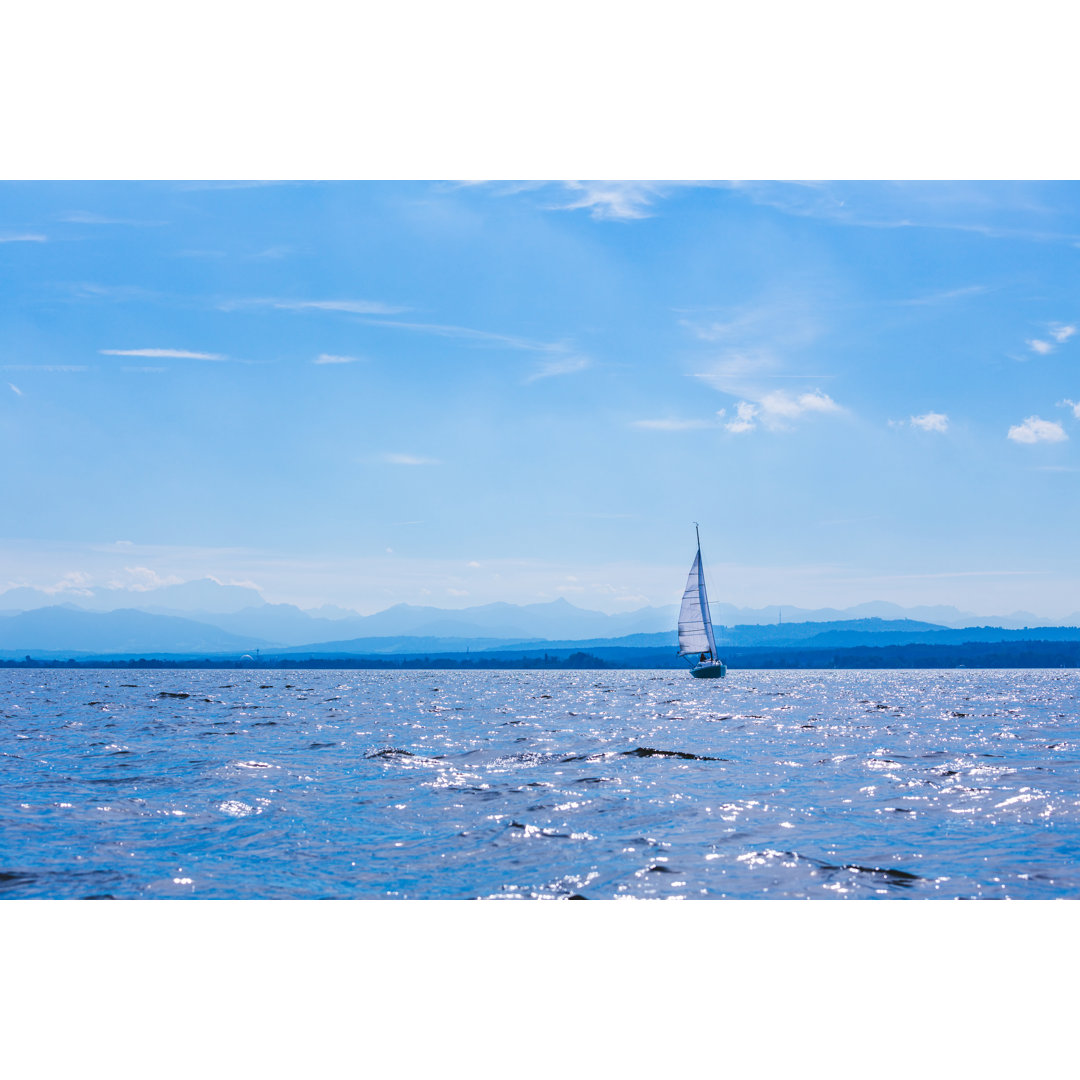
451 394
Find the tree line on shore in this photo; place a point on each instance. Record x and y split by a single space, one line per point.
1004 654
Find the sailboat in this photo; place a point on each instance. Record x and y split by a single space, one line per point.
696 636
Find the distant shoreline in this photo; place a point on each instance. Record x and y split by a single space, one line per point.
1006 654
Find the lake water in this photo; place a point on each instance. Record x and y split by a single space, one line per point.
595 784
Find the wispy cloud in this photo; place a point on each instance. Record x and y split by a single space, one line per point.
564 359
407 459
163 354
608 200
605 200
230 185
1041 347
673 424
944 297
565 365
984 210
756 337
23 238
330 358
348 307
931 421
1068 403
87 290
45 367
145 370
86 217
276 251
15 389
1061 333
1035 430
470 334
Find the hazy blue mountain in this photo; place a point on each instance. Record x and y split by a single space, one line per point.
557 618
865 631
241 610
283 624
941 614
404 644
59 628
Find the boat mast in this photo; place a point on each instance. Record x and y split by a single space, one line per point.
703 599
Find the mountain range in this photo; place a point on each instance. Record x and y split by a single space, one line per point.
209 617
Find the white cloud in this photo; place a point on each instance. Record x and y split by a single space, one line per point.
566 365
143 579
408 459
176 354
1034 429
931 421
330 358
1068 403
15 389
145 370
24 238
745 415
783 405
671 424
74 581
1060 332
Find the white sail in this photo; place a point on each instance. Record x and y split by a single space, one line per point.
695 622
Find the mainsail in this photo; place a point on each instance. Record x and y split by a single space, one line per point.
695 622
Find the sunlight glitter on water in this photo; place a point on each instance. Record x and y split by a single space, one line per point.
543 784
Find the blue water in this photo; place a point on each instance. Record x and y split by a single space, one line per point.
305 784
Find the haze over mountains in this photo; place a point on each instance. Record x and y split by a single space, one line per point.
208 617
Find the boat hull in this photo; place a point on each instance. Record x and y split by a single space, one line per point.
714 670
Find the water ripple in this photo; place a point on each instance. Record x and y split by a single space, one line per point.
544 784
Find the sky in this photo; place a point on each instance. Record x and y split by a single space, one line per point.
446 393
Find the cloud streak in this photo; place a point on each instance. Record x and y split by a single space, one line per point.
567 365
672 424
331 358
24 238
86 217
407 459
163 354
347 307
45 367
